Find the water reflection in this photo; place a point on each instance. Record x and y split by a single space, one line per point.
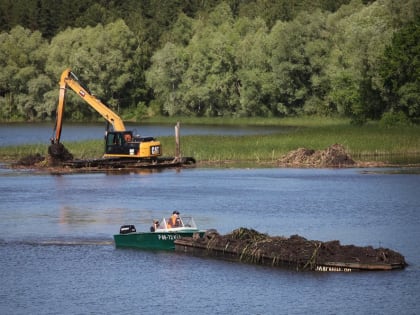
56 240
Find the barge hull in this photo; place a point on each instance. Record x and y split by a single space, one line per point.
296 252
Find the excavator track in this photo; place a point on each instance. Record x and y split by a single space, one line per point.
130 163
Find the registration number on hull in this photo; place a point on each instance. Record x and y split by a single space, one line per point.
164 237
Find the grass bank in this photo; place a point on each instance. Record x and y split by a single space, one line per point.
365 143
369 142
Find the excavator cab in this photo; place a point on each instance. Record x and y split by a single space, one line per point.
124 144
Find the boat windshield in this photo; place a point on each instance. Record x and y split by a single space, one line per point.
183 222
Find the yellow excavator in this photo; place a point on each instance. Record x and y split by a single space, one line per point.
119 142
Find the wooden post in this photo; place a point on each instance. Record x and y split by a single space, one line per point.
177 142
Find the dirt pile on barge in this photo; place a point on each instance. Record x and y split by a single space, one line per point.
296 252
60 161
333 156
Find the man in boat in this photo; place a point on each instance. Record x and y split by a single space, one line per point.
155 226
174 220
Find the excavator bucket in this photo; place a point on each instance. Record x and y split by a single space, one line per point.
58 152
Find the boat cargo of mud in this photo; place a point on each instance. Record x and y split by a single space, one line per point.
296 252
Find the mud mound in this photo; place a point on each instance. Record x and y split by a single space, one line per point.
57 153
333 156
30 160
248 245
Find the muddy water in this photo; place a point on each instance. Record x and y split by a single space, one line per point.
57 254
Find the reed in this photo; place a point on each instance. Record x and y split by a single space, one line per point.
14 153
362 142
359 141
86 149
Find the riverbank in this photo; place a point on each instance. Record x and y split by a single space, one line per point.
369 145
332 157
372 144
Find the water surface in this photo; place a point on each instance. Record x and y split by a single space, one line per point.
57 253
36 133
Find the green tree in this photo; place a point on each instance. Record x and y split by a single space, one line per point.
22 83
47 16
95 14
299 49
361 33
272 11
254 69
401 71
168 66
403 12
18 12
102 57
200 78
181 32
165 76
210 84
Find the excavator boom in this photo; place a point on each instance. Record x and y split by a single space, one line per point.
69 79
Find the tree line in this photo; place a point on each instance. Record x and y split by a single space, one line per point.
266 58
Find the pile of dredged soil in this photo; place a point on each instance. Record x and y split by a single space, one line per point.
333 156
296 251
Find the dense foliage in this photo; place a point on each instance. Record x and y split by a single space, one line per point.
267 58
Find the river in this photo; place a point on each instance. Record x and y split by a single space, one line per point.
57 255
35 133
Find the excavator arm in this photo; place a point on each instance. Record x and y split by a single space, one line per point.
69 79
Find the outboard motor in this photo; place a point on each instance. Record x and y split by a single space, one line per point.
125 229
